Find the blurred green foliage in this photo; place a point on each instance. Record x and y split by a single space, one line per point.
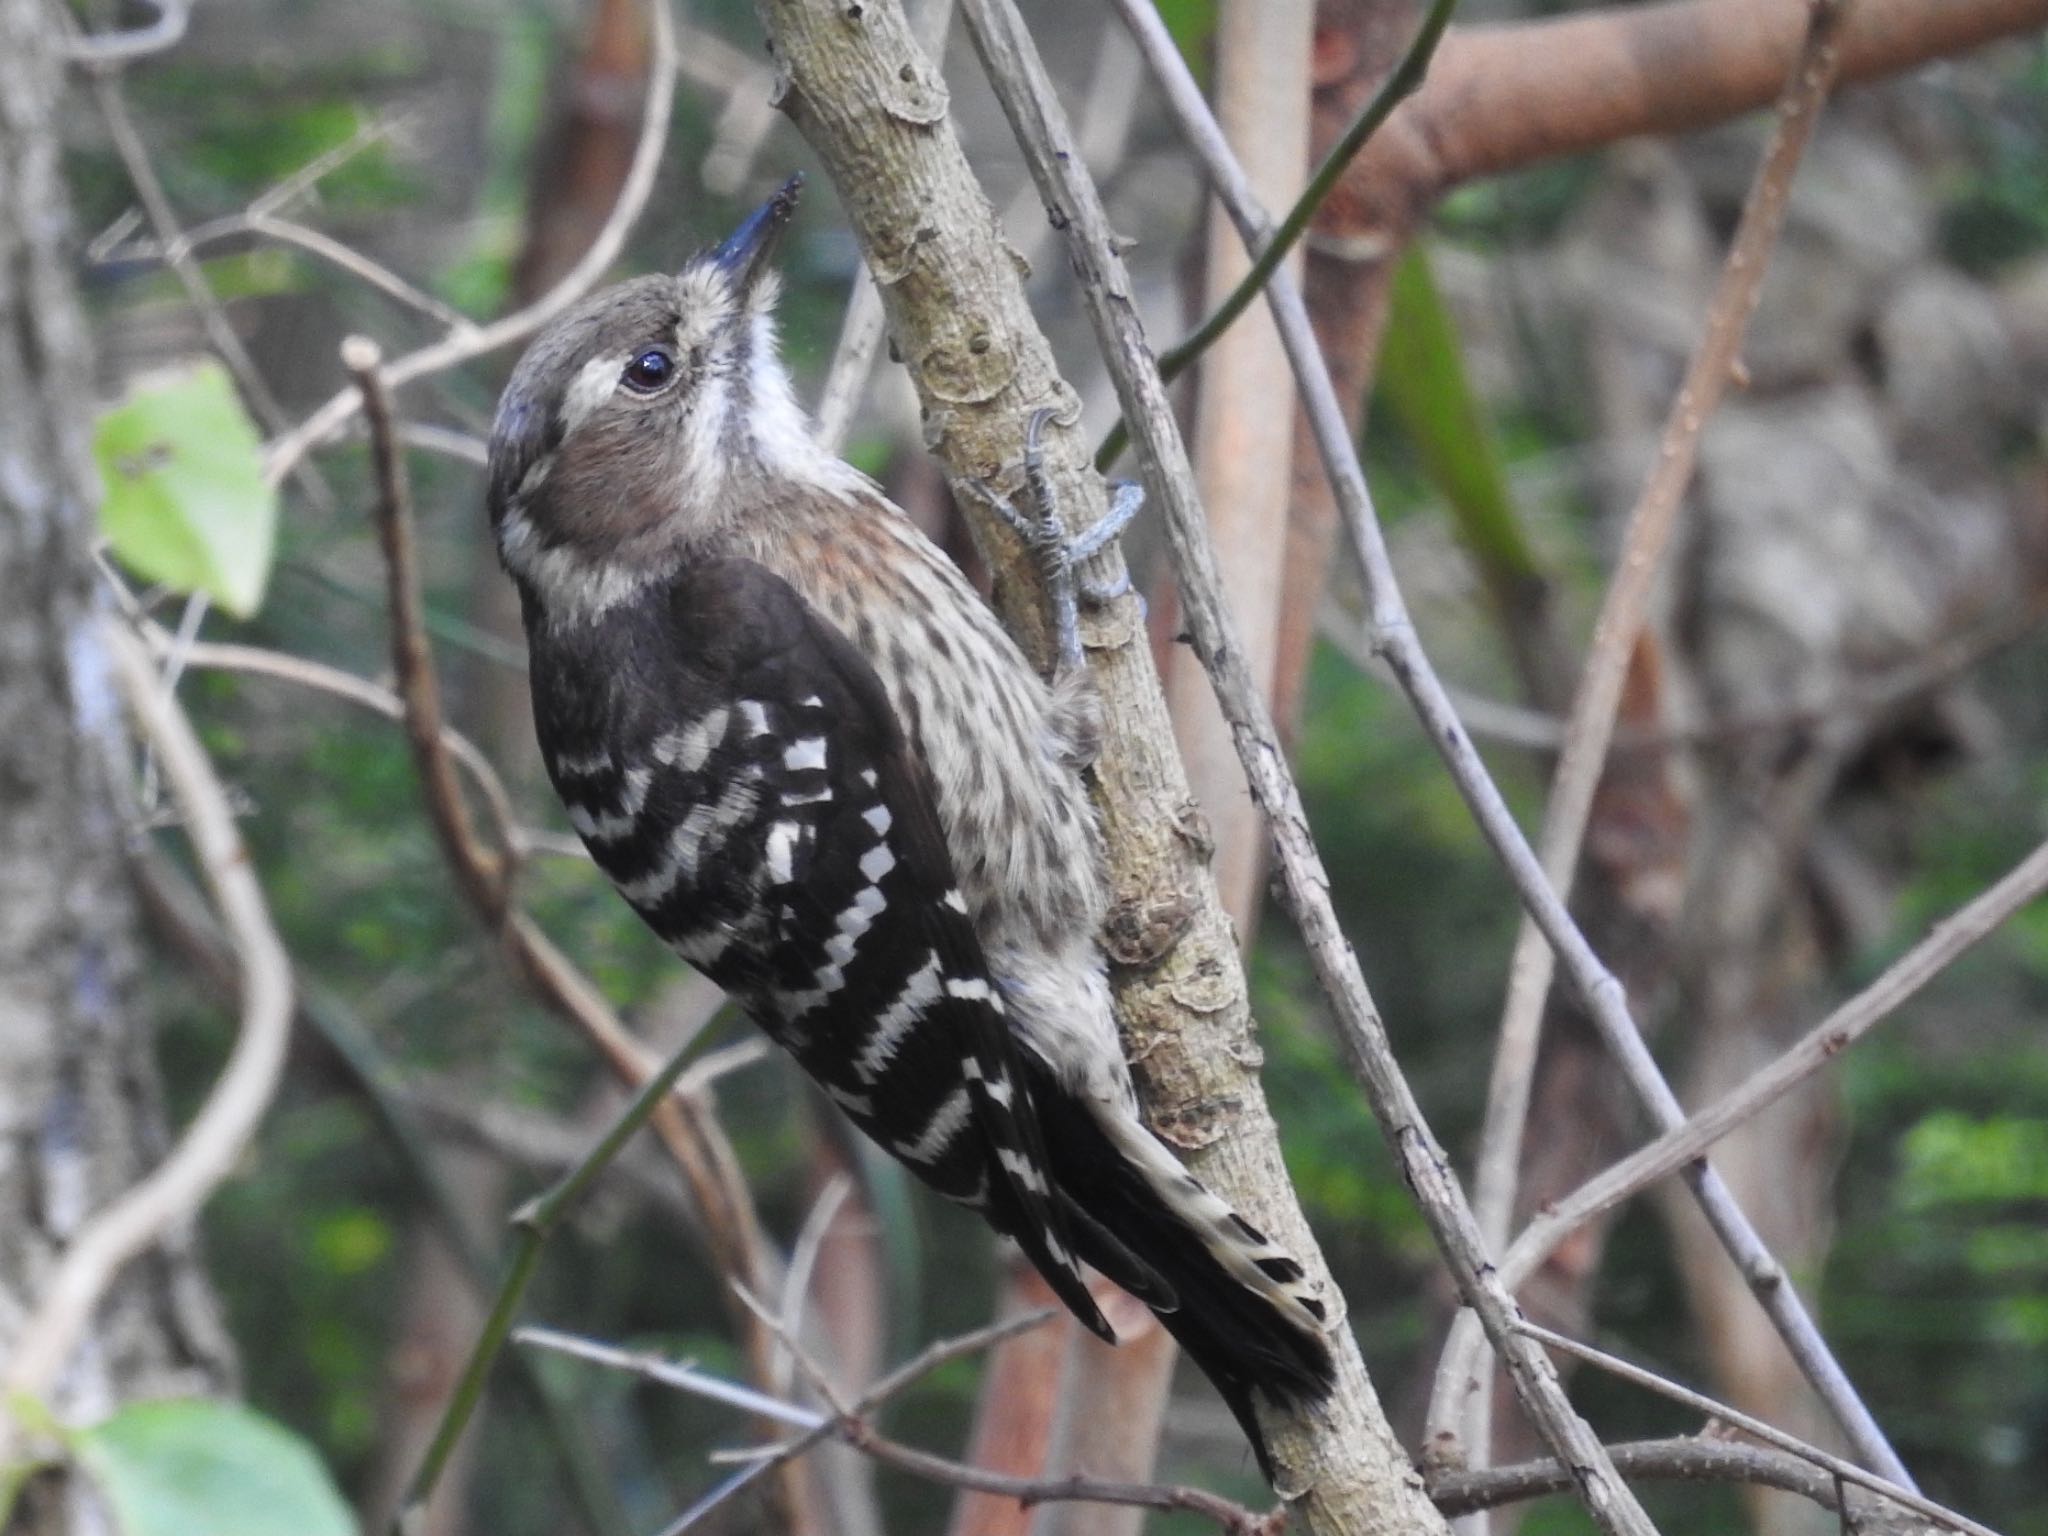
1937 1286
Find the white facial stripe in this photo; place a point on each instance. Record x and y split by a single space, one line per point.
593 385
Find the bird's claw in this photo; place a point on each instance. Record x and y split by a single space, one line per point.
1057 552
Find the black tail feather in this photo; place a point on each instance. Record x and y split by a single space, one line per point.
1242 1339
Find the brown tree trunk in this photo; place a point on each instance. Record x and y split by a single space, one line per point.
79 1104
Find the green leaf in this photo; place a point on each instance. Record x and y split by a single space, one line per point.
1192 24
1422 382
198 1467
185 502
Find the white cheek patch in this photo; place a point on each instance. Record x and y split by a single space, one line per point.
593 385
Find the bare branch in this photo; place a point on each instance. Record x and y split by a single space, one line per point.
1013 67
1590 726
1703 1458
1823 1044
474 341
848 1422
873 106
1848 1471
1503 97
104 50
803 1262
485 874
1395 640
860 334
765 1459
212 1143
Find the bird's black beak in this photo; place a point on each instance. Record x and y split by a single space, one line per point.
746 252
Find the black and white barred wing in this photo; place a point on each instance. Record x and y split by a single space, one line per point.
785 841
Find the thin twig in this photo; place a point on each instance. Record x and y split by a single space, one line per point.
761 1460
163 219
485 873
687 1123
803 1263
1590 726
1823 1044
1663 1386
104 50
1013 67
1398 644
849 1422
214 1141
257 661
314 242
1700 1458
680 1374
460 346
860 333
1273 248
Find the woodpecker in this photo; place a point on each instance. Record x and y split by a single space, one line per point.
809 757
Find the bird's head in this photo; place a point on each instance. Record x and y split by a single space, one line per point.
649 417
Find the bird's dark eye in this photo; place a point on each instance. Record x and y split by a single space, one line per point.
650 371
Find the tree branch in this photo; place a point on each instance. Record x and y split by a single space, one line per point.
1590 726
1500 98
1823 1044
1699 1402
1072 203
1702 1458
471 341
1395 640
211 1144
874 107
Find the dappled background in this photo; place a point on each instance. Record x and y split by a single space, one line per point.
1839 733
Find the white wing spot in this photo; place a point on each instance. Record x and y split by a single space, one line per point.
583 767
782 851
808 753
918 994
755 713
956 901
877 816
877 862
947 1121
974 989
855 1103
614 826
689 747
701 948
1023 1170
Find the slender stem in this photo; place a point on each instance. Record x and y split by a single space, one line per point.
1822 1044
1714 1409
1647 539
1011 62
1395 640
1272 249
533 1224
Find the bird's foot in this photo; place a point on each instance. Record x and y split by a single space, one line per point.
1057 552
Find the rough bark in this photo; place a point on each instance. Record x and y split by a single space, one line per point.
79 1108
874 107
